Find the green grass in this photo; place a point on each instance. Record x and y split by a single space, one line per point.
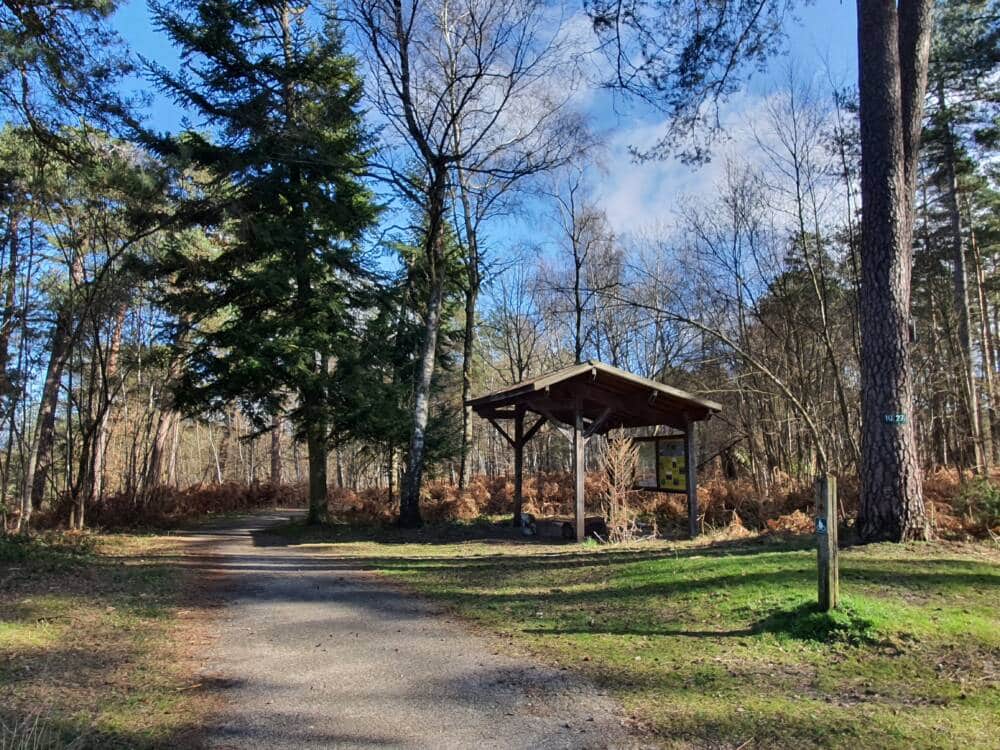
717 646
91 647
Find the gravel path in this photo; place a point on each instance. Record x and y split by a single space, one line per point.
313 652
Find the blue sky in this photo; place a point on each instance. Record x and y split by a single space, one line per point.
632 194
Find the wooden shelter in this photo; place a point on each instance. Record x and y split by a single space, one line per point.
589 399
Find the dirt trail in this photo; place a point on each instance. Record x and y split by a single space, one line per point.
314 652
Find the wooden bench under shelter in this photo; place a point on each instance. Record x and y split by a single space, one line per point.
589 399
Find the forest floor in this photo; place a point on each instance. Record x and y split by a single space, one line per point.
99 641
225 636
718 645
243 634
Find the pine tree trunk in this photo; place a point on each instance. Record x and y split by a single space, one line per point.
961 288
93 488
893 49
7 317
986 348
167 419
154 465
276 477
39 455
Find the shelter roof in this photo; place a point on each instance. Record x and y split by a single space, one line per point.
606 396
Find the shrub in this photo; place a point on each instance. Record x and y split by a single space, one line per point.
979 502
616 482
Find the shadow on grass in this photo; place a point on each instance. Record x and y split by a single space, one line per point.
803 623
37 731
485 531
807 623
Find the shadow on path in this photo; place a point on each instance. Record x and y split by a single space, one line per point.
314 651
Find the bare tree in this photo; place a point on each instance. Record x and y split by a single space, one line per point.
793 141
584 239
515 325
452 80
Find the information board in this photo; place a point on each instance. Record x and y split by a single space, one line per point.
662 464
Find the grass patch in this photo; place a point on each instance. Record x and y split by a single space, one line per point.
721 645
806 622
93 643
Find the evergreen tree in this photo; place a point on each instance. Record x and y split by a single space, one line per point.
963 57
375 381
58 62
273 308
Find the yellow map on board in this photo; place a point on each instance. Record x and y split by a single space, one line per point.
673 466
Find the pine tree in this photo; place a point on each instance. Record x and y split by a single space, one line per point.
964 58
273 308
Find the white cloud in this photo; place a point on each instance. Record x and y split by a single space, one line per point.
638 195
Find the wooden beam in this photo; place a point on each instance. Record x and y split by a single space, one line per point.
535 428
579 470
690 464
501 430
518 465
544 411
487 413
636 407
596 424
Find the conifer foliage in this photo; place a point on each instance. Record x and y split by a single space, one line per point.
274 303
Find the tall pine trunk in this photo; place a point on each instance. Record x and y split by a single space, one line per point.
93 488
892 68
986 347
168 420
970 393
7 316
39 453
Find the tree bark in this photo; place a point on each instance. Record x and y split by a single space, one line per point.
893 48
93 488
409 499
316 446
989 356
961 286
468 350
276 450
7 316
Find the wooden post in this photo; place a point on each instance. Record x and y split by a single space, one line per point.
579 470
518 465
691 467
826 542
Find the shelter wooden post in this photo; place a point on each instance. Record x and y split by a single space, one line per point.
590 398
579 471
519 442
691 467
